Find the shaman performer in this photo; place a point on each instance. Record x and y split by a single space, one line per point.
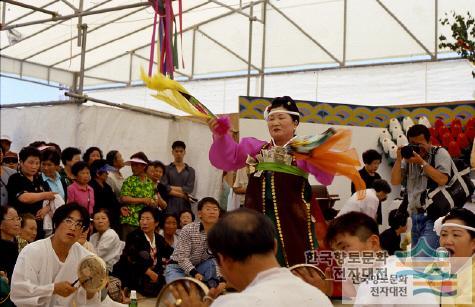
278 183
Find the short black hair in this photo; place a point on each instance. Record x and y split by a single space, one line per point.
29 151
89 151
397 218
167 215
96 165
287 103
68 153
241 233
78 166
153 211
157 163
37 144
51 154
352 223
381 185
141 155
187 211
102 210
464 215
207 200
417 130
110 157
371 155
64 211
56 146
180 144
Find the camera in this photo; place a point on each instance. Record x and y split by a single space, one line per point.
408 151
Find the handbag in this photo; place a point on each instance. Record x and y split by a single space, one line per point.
455 193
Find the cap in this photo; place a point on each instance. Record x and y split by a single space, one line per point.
10 154
136 160
5 137
107 168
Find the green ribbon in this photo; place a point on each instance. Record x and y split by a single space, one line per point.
281 168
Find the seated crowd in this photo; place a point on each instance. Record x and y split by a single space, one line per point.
144 229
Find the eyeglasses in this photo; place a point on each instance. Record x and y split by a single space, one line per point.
70 222
10 160
15 219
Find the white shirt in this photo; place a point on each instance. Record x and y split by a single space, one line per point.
276 287
108 246
368 205
38 268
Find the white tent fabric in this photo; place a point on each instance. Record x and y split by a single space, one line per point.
299 33
379 85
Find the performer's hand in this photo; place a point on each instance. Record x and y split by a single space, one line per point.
63 289
416 159
314 279
187 299
212 124
199 276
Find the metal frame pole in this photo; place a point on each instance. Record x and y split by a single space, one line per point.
249 57
83 58
4 9
263 59
436 30
81 6
345 13
31 7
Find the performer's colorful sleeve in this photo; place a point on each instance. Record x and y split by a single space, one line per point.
321 176
227 155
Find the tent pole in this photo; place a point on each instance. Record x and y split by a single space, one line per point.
83 58
345 13
31 7
85 13
79 25
263 58
436 29
249 58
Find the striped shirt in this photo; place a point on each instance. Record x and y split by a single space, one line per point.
192 247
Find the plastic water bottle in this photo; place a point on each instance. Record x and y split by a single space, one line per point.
133 299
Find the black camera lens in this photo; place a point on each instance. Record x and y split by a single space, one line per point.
407 152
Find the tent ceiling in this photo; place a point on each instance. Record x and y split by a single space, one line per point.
298 33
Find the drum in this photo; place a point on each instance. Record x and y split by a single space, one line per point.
308 267
92 273
167 295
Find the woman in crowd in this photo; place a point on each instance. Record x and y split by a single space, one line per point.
9 229
142 263
105 240
278 185
25 189
103 195
80 192
169 228
5 173
115 178
50 160
69 156
92 154
457 235
28 231
155 171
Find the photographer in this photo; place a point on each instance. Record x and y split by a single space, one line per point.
423 167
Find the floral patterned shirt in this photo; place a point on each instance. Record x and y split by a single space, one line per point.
136 188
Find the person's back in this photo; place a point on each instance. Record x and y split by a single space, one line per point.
275 287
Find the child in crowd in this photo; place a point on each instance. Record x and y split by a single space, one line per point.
80 192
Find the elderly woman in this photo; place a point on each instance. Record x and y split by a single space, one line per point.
457 235
141 264
278 184
28 230
169 229
9 229
106 242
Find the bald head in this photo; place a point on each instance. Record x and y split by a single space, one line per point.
241 234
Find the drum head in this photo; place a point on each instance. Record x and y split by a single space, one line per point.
92 273
308 267
167 295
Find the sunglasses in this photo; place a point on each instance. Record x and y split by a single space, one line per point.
10 160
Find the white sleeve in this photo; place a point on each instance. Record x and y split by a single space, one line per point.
109 248
26 288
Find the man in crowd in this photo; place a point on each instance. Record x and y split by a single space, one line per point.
370 203
427 168
191 256
252 269
179 179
